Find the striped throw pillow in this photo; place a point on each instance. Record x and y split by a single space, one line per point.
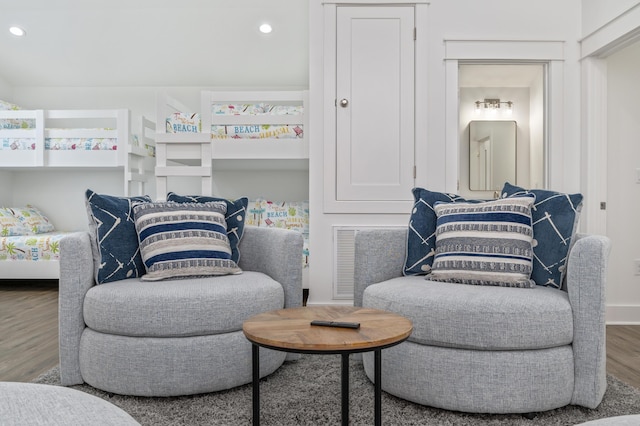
235 216
180 240
488 243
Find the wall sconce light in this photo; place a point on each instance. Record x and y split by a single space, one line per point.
493 105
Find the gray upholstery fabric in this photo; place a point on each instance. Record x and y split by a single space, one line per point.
437 367
188 307
170 366
477 381
586 285
379 256
33 404
76 278
201 349
272 251
476 317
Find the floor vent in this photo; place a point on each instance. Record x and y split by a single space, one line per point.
344 256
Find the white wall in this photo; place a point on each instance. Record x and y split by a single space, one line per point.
623 192
610 30
140 100
596 13
447 19
473 20
61 194
6 91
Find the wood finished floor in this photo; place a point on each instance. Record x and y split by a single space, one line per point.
28 329
29 335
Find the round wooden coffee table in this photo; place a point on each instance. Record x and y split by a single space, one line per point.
290 330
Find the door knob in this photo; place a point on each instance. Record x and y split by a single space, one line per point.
344 103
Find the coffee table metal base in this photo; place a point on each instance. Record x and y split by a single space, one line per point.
255 360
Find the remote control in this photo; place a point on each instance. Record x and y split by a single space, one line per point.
336 324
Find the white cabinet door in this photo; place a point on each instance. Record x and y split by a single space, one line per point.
375 103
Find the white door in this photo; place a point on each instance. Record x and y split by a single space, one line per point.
375 103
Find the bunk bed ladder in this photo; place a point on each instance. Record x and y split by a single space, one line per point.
139 160
175 158
180 154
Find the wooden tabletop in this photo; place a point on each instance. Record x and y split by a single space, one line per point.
290 329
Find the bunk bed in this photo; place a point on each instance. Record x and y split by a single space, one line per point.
229 125
77 138
245 126
65 139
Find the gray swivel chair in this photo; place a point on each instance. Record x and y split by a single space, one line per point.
489 349
172 337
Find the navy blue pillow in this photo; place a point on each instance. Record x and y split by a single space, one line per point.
235 217
113 234
421 239
555 218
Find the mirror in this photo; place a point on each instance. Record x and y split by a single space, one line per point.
492 154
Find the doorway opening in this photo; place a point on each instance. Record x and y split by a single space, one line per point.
490 94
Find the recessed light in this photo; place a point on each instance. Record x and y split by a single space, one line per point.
17 31
265 28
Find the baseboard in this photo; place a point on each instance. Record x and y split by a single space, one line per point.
623 314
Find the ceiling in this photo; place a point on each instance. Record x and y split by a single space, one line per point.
154 43
122 43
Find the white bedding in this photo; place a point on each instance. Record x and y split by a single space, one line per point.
75 144
257 131
292 215
256 109
180 122
39 247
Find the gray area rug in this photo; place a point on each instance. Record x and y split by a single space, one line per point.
307 392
